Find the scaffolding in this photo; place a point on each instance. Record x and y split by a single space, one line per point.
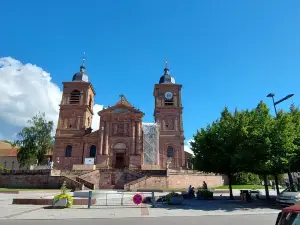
151 143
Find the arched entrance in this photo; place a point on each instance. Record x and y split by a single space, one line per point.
119 155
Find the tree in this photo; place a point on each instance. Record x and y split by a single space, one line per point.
271 141
258 142
295 160
34 140
283 144
217 147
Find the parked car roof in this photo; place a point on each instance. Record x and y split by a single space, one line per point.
294 208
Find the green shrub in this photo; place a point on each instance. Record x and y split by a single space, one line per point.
3 168
246 179
170 195
64 194
204 194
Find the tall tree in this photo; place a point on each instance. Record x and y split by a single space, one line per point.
295 160
34 140
217 147
258 143
283 139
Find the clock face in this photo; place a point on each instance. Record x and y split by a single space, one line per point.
168 95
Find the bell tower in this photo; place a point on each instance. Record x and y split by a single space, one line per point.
76 107
168 115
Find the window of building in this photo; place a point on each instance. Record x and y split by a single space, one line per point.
170 152
68 152
75 97
169 102
93 151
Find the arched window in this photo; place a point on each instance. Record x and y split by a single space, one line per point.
68 152
170 152
93 151
75 97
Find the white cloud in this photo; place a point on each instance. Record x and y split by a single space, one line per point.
96 117
25 90
187 146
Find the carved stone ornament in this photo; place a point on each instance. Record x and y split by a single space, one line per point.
120 130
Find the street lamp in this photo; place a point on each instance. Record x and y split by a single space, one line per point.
271 95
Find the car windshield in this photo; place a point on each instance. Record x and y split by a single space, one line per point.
296 189
289 219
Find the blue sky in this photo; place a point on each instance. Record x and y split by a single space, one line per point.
224 53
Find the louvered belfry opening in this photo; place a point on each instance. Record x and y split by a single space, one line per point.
75 97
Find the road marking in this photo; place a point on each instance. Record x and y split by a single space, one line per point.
22 213
144 210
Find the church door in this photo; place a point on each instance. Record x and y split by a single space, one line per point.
120 160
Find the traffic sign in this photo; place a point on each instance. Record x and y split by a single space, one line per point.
137 199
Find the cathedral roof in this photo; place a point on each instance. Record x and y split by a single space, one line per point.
166 78
122 106
81 76
123 101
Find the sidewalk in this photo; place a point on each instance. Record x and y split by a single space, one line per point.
110 207
198 208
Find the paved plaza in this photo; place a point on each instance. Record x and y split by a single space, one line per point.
110 205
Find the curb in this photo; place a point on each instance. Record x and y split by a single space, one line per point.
147 216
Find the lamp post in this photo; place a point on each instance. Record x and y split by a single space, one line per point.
271 95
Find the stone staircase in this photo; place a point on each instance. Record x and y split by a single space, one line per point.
110 178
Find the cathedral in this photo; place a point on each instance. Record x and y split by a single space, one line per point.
122 140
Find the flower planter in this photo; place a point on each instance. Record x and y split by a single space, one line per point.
60 203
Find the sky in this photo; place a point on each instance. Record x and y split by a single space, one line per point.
224 53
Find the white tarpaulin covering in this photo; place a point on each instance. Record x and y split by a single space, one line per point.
151 142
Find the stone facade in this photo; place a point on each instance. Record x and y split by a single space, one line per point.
118 143
36 179
176 181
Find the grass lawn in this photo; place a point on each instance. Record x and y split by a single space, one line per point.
242 187
175 189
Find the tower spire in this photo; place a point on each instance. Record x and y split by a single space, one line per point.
166 68
82 67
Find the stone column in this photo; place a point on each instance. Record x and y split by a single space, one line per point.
178 158
180 122
138 131
101 139
81 99
106 138
84 119
78 123
175 101
85 151
133 147
176 124
179 98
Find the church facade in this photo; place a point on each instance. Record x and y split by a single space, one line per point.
120 140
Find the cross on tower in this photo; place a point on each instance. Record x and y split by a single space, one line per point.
122 96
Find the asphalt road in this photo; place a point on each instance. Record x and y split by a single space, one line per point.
266 219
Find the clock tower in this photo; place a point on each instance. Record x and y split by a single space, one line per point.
168 115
